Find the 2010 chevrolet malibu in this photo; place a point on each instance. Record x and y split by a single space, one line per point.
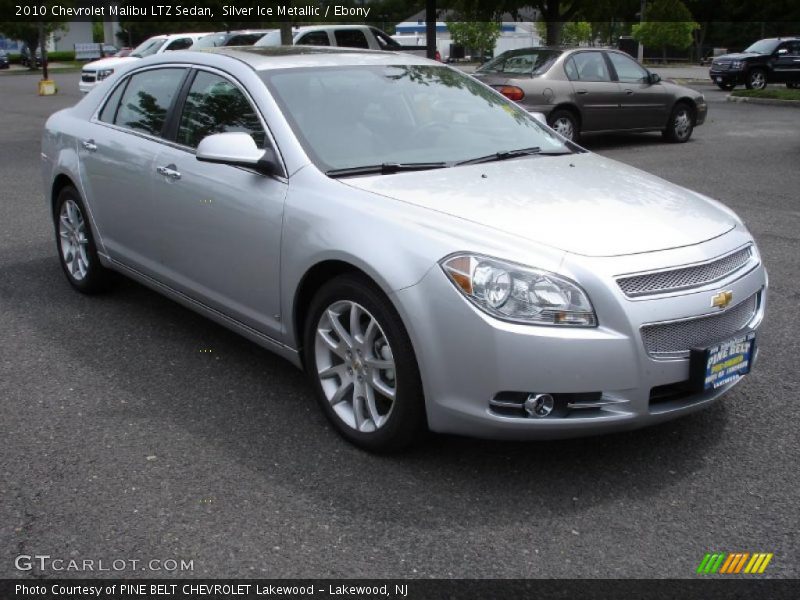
431 254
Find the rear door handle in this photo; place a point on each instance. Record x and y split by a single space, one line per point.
89 145
168 171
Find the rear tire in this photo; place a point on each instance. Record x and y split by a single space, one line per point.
680 125
756 79
362 366
77 251
566 123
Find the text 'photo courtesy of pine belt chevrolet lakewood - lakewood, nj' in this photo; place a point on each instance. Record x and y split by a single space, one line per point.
432 254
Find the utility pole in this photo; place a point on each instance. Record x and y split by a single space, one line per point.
640 54
430 27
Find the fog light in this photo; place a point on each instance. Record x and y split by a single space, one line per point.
539 405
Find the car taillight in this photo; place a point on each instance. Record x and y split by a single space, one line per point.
511 92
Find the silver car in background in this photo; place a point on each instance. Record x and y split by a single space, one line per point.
594 90
432 255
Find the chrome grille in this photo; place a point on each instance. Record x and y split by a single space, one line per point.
87 77
685 277
675 339
720 66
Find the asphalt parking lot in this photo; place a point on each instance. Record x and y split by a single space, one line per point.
122 439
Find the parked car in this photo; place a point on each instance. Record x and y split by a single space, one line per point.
245 37
25 57
346 36
96 71
772 60
4 62
429 252
587 90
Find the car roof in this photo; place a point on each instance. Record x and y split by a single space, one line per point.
263 58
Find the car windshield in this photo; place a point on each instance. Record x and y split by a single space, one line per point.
213 40
348 117
148 47
763 47
532 61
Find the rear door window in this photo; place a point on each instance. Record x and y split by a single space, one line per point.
591 66
314 38
148 98
351 38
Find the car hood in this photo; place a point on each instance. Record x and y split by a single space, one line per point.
581 203
109 63
736 56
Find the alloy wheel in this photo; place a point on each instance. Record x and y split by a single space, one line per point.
355 366
682 123
73 240
564 126
757 80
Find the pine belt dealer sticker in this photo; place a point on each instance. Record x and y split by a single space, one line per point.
723 363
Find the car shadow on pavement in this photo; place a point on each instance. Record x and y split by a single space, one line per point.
146 358
608 141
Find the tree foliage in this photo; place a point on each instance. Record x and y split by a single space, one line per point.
479 36
668 23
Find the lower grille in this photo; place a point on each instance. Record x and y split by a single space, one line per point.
675 339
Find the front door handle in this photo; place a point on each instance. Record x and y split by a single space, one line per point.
168 171
581 92
89 145
629 92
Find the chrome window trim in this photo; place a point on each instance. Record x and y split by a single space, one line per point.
95 118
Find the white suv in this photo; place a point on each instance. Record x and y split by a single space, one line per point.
98 70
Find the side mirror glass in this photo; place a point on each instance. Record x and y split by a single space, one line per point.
654 78
239 150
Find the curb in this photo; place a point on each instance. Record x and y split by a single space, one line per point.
767 101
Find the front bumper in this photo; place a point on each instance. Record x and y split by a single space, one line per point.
727 77
86 86
468 358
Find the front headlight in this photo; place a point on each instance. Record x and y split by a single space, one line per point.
103 73
736 65
521 294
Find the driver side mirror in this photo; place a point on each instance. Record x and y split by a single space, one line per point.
239 150
782 51
653 78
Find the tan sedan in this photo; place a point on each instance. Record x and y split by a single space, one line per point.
592 90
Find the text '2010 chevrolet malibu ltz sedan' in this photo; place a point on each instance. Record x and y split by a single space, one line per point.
432 255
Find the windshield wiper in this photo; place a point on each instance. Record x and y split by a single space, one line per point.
385 169
504 155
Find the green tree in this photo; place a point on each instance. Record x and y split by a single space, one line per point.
573 33
33 33
668 23
479 36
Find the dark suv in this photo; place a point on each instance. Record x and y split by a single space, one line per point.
774 60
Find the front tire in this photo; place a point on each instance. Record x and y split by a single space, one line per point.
565 123
680 125
76 246
362 366
756 79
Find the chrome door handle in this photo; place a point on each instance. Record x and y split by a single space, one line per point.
168 171
89 145
581 91
628 92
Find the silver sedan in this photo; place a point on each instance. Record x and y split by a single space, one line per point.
432 255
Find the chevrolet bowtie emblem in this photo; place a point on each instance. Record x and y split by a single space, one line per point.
722 299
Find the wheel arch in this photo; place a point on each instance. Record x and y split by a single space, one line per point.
690 103
312 280
60 181
568 106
